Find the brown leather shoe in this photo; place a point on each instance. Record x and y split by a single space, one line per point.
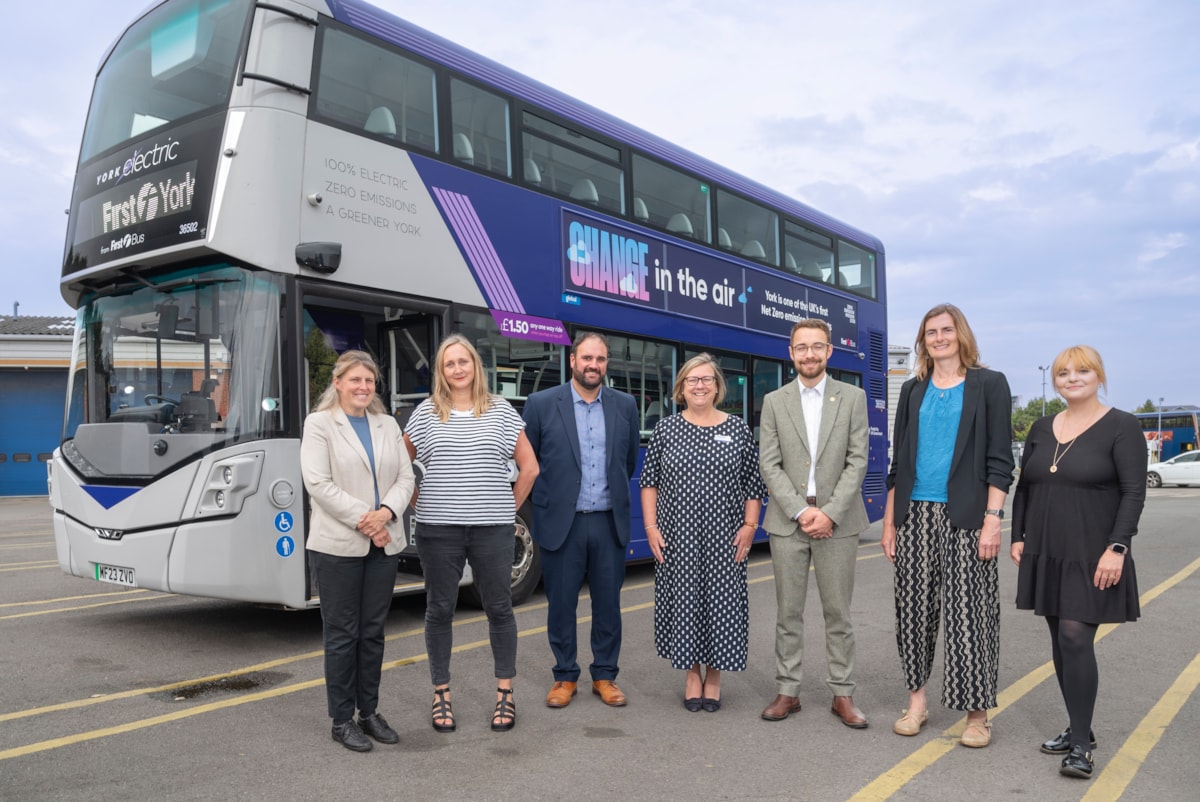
781 708
845 709
560 695
609 693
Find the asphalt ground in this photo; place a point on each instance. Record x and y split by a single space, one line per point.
108 693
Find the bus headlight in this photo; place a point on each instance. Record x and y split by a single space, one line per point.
229 483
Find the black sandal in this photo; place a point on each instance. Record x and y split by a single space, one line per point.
506 708
442 711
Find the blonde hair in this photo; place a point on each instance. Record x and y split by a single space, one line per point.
968 350
351 359
480 397
688 367
1084 356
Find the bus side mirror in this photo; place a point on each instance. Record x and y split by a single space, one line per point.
323 257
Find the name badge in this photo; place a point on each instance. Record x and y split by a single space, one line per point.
722 438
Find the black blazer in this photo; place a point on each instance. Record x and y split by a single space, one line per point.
982 450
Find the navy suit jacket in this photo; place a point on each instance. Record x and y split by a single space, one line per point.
550 427
982 455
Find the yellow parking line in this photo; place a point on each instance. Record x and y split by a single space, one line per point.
71 598
83 607
887 784
12 546
1125 764
40 565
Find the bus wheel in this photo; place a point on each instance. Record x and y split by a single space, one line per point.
526 565
1153 480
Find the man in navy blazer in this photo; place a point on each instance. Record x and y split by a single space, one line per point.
586 439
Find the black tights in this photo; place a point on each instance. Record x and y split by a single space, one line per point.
1074 647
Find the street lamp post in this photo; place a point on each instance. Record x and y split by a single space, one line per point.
1160 432
1043 369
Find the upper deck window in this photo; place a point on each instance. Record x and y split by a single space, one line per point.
807 253
573 165
480 128
377 91
747 228
856 269
173 63
671 200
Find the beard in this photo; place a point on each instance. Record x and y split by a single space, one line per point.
811 371
587 378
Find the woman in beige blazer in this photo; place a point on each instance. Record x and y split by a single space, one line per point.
358 476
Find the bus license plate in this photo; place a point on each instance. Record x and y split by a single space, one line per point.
116 575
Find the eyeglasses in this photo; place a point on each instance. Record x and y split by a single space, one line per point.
707 381
817 348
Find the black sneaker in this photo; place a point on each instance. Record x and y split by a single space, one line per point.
377 727
1077 763
1062 744
351 737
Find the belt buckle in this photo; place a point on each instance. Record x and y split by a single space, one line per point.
811 501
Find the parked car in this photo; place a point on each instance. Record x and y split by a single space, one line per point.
1181 470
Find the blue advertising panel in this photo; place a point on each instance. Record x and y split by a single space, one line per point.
617 264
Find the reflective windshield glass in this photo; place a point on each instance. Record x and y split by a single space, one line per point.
173 63
192 362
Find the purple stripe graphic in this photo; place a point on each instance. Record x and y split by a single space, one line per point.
480 252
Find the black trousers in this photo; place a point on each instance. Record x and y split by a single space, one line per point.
356 594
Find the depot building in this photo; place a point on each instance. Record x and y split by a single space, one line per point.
35 356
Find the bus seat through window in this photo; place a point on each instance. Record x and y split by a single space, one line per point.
723 239
680 224
754 250
584 190
640 212
381 121
463 152
533 173
789 261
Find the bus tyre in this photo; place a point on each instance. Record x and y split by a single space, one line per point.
1153 480
526 566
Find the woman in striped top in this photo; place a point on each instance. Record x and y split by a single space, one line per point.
466 509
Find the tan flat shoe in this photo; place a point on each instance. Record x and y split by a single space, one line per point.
909 724
977 735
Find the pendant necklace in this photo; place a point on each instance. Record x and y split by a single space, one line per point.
1058 457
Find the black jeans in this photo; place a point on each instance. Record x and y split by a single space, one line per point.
443 550
356 594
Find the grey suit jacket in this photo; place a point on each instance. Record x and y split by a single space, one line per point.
785 456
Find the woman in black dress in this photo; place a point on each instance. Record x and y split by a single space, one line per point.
1075 511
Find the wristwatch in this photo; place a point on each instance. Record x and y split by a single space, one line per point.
998 513
1118 548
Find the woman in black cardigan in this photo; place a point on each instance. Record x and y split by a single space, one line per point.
952 466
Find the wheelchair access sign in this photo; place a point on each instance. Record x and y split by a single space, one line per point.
285 545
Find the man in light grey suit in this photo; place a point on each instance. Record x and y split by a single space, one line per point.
813 456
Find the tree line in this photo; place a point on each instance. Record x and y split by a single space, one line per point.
1023 417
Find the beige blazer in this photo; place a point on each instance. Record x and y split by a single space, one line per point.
785 456
337 475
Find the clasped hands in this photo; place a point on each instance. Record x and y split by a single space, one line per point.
815 523
373 524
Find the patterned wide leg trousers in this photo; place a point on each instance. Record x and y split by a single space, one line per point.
938 568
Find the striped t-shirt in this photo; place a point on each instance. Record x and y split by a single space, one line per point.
467 460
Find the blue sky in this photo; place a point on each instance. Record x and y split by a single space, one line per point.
1036 163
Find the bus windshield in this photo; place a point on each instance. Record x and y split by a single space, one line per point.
177 61
181 366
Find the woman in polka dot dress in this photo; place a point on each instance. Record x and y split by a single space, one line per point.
701 497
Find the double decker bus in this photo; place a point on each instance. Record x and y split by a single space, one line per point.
263 185
1170 432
